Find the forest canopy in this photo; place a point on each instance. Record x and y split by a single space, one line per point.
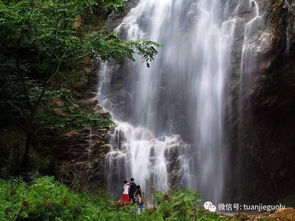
44 40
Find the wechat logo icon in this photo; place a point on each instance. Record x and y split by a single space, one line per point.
209 206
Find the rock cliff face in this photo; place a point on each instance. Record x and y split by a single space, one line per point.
78 155
263 138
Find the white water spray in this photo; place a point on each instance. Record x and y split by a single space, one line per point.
171 116
248 64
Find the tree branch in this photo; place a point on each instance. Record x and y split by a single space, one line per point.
25 90
45 85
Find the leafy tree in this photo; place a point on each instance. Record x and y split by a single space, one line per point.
39 40
61 112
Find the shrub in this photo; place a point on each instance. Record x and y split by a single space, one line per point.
47 199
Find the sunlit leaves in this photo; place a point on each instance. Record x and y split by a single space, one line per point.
39 40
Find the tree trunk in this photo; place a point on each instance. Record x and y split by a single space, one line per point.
26 153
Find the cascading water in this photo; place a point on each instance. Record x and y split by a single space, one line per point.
171 116
137 153
90 147
248 60
288 26
246 65
213 49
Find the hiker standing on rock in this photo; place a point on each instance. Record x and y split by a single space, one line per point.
125 195
132 190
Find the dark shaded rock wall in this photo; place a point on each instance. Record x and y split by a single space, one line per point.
78 156
263 142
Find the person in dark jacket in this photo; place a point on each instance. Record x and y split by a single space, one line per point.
140 200
132 190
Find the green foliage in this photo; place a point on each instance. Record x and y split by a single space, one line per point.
47 28
111 47
177 205
61 112
288 201
40 39
115 4
46 199
76 120
183 205
44 40
206 216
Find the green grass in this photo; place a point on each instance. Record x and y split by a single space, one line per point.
288 201
47 199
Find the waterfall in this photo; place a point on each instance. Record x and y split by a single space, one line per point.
90 147
248 61
288 26
171 116
137 153
209 90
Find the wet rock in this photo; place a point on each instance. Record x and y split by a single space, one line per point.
88 103
72 133
265 41
116 17
239 27
104 113
268 124
106 146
